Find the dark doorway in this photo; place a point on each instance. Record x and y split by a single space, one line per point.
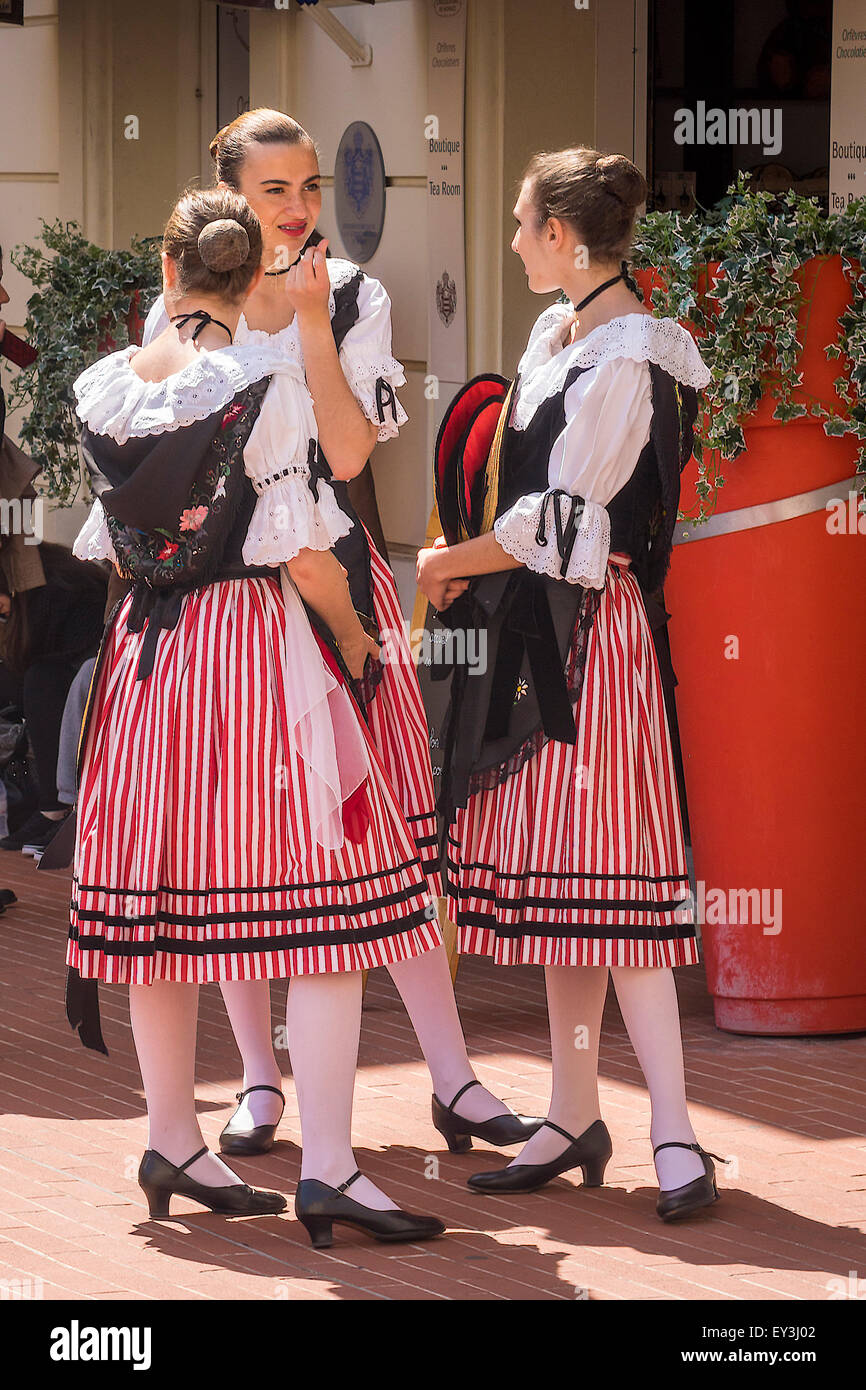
762 65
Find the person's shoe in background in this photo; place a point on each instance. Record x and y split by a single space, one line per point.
34 835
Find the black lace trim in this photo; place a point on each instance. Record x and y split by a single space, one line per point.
346 311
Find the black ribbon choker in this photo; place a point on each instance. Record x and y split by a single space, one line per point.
205 318
620 275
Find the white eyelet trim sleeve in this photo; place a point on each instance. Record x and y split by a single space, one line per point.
288 518
368 363
516 531
608 415
113 400
93 541
636 337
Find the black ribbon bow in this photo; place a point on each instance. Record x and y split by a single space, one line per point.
565 535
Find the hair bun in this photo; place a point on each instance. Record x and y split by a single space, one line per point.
223 244
213 147
623 179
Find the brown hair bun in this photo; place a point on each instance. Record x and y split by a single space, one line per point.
215 240
223 244
620 177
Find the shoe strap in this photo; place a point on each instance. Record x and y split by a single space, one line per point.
695 1148
239 1095
349 1181
564 1132
181 1167
462 1092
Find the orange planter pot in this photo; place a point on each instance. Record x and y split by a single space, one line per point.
134 326
768 635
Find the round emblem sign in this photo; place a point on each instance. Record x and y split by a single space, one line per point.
359 186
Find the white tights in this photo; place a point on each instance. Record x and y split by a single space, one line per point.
323 1018
424 985
648 1002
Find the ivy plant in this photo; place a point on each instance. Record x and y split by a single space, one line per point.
83 303
746 322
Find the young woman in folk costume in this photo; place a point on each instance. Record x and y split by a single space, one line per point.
565 844
234 819
333 322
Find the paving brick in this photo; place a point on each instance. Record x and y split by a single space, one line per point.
792 1112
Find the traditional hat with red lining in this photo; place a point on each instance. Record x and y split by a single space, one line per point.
465 486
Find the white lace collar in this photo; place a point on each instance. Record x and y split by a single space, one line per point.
287 339
641 337
112 399
340 272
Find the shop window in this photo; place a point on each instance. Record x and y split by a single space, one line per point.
740 85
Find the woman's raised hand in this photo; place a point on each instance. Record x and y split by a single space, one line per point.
307 283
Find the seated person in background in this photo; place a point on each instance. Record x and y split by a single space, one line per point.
70 732
45 635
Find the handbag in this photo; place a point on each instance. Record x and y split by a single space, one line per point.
19 776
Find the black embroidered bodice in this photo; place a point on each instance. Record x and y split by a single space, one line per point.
177 507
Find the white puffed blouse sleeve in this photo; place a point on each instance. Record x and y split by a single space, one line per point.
288 516
608 411
369 366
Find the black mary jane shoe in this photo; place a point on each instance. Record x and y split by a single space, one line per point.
590 1152
679 1202
161 1180
239 1138
501 1130
318 1207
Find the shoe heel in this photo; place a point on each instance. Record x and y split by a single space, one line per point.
593 1172
458 1143
320 1229
158 1200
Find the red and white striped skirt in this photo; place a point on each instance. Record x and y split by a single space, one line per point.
194 859
578 858
398 722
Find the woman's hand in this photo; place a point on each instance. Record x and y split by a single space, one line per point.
308 286
434 580
355 651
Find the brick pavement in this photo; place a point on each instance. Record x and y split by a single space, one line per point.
790 1114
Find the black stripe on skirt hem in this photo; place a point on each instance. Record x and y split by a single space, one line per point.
587 904
562 877
248 945
589 931
180 919
256 888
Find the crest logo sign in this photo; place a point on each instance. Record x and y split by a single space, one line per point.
446 297
359 187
